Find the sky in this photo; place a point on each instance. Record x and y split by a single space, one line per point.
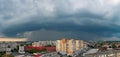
56 19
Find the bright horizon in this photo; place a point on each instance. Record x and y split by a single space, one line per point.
13 39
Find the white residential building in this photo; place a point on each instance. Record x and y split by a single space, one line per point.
21 49
4 45
43 43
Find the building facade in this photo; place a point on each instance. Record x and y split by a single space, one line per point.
21 49
4 45
69 46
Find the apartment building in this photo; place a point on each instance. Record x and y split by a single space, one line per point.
69 46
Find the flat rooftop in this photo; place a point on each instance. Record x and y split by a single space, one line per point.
91 51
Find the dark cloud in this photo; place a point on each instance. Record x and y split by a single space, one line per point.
72 19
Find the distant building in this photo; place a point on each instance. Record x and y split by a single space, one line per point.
43 43
80 44
69 46
108 53
4 45
21 49
8 50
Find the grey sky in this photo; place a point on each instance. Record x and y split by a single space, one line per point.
93 19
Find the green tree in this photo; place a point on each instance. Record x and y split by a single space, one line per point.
35 50
1 53
69 56
32 51
44 49
113 45
7 55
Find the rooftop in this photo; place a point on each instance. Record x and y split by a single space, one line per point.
91 51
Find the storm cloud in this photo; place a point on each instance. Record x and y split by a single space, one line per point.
54 19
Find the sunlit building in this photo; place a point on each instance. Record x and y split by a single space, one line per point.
78 46
64 45
69 46
58 45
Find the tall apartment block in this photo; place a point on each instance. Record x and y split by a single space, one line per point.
69 46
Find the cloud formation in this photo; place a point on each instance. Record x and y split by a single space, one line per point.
86 19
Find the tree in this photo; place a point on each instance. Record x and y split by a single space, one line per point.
1 53
69 56
7 55
32 51
113 45
44 49
14 50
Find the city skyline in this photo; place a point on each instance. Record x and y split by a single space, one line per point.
56 19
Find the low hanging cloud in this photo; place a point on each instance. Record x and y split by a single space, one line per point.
84 19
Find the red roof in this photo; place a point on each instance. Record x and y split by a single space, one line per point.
31 47
52 48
